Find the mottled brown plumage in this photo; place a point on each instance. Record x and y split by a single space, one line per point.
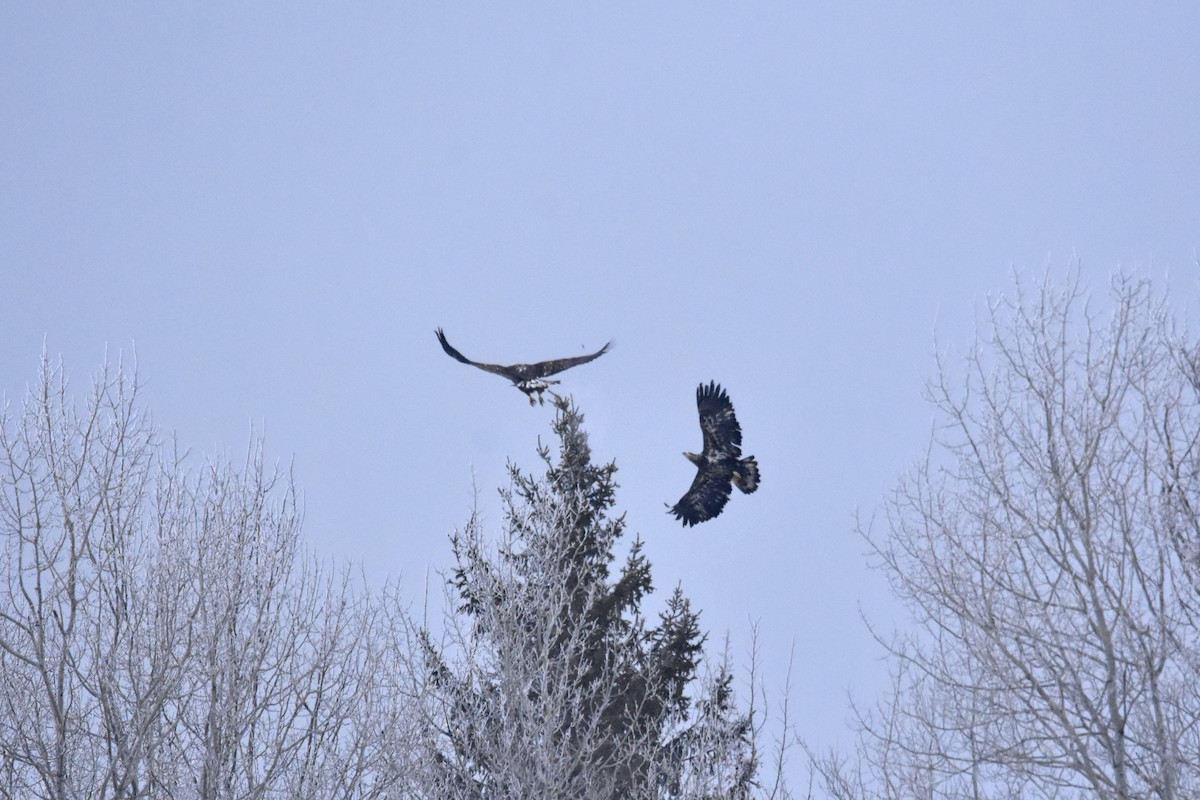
719 466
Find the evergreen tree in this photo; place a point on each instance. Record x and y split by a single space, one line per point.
549 682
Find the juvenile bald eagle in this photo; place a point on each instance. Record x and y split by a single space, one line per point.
529 378
720 465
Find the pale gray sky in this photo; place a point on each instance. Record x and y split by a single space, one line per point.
278 204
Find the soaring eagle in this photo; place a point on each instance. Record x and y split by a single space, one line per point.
529 378
720 466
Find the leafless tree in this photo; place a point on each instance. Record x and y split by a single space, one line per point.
1045 548
73 485
161 632
286 686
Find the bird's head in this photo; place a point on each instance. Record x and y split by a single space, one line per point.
695 458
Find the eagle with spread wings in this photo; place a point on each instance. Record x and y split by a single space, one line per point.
529 378
720 465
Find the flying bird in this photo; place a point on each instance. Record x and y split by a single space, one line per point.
529 378
720 465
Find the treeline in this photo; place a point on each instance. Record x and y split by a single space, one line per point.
163 634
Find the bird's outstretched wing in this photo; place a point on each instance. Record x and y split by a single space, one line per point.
705 498
544 368
494 368
717 421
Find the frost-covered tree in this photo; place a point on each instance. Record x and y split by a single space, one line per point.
161 632
547 680
1046 549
